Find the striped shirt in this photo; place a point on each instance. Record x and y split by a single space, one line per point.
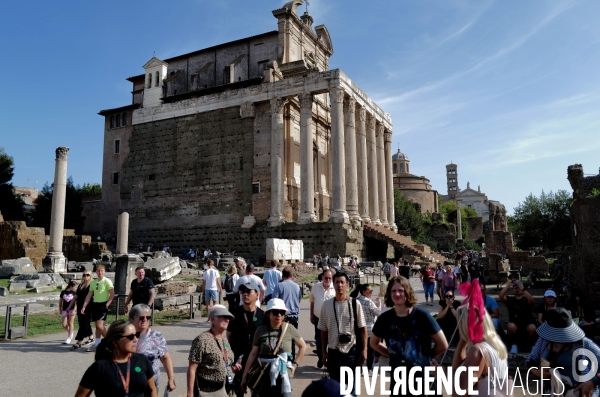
346 320
370 310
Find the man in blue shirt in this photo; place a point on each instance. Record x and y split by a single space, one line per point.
271 279
291 294
491 307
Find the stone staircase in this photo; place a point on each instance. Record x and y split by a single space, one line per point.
401 242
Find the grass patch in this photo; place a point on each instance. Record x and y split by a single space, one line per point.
50 323
4 282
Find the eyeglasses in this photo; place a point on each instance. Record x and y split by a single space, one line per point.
86 275
449 296
132 336
278 312
144 318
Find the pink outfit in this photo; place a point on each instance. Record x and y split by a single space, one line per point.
449 279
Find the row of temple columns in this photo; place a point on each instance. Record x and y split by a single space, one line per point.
361 163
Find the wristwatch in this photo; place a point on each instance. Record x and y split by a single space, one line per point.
295 363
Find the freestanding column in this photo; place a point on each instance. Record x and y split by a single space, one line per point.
277 155
350 154
361 160
338 171
390 180
458 222
55 262
307 182
382 194
373 191
122 233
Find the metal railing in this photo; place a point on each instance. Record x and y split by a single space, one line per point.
15 332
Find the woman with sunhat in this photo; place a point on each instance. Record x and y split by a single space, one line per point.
265 345
560 339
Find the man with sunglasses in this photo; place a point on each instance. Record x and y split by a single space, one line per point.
242 328
141 290
448 316
102 292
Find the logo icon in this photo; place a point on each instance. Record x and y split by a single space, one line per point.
581 360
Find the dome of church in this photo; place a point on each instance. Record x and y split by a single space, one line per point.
400 156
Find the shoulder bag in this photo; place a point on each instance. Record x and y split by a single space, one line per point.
258 369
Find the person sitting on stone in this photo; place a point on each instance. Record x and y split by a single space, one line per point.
521 325
582 312
548 303
491 307
447 316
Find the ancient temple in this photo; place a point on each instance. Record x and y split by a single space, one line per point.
256 138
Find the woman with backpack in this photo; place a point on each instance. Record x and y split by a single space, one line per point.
228 282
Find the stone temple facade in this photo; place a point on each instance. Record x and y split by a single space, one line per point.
415 188
256 138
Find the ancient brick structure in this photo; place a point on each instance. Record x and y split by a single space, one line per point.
17 241
257 132
415 188
584 271
474 228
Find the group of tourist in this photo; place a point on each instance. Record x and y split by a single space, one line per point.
248 348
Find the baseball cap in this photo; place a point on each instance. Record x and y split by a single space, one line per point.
250 284
549 293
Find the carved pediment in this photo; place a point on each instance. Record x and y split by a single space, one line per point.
154 62
324 37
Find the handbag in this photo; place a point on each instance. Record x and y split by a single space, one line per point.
258 369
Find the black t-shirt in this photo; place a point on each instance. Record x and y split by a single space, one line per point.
141 291
407 338
449 317
243 328
103 378
67 297
519 310
82 292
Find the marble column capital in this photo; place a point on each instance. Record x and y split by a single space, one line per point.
380 130
62 152
277 105
336 94
349 105
306 100
371 121
362 114
387 136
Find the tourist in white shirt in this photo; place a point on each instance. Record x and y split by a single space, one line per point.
211 285
319 293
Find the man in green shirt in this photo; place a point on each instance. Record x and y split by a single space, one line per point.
102 292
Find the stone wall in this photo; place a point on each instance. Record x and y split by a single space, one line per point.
189 171
320 237
92 210
584 272
474 228
498 241
17 241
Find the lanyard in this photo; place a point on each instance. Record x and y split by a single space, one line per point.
125 382
141 340
335 314
222 349
248 324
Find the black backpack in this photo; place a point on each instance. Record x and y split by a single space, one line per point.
229 283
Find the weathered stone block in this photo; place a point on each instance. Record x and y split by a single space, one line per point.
13 267
163 269
17 286
45 288
3 291
281 249
125 272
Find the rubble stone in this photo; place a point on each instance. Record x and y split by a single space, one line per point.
162 269
13 267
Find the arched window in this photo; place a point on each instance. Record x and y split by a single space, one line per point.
395 168
118 121
124 119
112 121
157 82
149 80
401 167
407 170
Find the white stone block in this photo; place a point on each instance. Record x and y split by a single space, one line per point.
281 249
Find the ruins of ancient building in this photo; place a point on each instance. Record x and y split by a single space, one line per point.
583 271
248 140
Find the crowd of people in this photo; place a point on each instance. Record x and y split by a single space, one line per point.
248 348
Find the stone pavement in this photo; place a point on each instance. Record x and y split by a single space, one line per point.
43 366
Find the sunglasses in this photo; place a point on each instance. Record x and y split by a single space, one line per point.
86 275
245 291
278 312
144 318
449 296
132 336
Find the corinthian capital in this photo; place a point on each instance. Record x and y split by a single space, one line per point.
387 136
306 100
277 105
380 129
336 94
61 153
349 105
371 122
362 114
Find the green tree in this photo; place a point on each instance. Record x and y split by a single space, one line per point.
449 210
407 216
89 189
73 208
542 221
11 204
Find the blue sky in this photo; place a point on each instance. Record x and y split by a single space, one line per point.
508 90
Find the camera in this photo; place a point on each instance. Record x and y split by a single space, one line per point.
230 383
344 339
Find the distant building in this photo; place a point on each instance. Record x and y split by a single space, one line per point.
474 199
416 188
451 181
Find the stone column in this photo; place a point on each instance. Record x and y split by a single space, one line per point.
372 159
55 262
338 162
361 162
458 222
382 194
307 181
277 156
390 180
122 233
350 154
